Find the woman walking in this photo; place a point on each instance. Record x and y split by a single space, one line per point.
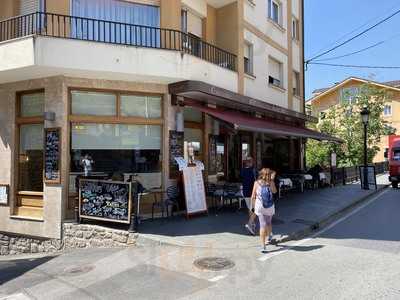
262 198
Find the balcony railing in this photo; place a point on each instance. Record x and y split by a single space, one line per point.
86 29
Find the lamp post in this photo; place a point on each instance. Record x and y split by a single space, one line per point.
365 117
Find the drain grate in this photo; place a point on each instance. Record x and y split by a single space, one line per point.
75 271
214 263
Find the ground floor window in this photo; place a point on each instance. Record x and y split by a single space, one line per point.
119 150
30 161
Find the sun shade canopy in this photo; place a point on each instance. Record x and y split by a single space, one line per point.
241 121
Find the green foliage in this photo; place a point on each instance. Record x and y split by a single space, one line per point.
344 121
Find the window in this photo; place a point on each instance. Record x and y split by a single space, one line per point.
248 59
295 29
30 136
275 11
117 148
296 83
141 106
387 110
193 137
118 12
275 73
93 104
349 95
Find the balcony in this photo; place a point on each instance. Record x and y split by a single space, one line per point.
42 45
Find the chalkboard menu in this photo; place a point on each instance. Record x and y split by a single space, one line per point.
175 150
195 195
105 200
52 155
371 176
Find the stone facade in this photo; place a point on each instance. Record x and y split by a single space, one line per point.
74 236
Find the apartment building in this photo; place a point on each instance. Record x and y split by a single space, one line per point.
132 84
346 92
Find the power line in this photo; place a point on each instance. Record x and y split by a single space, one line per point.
352 53
354 30
354 37
354 66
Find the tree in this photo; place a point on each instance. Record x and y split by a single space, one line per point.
344 121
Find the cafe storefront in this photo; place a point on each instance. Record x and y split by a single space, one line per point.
129 130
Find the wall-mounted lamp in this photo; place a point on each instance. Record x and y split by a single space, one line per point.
49 116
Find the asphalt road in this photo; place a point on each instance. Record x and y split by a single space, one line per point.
357 257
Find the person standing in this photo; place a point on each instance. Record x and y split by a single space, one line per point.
262 198
248 174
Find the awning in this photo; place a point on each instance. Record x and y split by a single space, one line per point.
209 94
241 121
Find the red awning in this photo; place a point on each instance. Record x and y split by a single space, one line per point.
244 122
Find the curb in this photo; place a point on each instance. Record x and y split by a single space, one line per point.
328 219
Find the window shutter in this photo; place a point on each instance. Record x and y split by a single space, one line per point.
195 24
28 6
274 69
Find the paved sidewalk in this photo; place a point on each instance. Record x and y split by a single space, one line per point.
296 215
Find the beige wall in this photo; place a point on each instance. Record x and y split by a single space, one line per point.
58 7
210 25
8 9
170 11
227 28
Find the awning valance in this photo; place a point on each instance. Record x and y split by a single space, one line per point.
241 121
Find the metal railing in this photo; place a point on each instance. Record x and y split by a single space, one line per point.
352 174
87 29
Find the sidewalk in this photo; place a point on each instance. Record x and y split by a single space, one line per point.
297 214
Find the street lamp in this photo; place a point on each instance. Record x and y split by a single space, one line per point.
365 117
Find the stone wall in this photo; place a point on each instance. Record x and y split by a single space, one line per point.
74 236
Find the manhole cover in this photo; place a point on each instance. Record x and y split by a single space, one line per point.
214 263
75 271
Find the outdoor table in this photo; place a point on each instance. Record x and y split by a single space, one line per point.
284 184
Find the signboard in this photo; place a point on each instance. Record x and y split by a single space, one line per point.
195 194
4 194
175 150
105 200
52 155
371 176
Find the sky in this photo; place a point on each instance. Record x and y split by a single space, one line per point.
326 21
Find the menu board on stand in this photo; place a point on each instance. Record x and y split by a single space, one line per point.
52 155
105 200
195 194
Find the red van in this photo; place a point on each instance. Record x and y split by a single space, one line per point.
394 160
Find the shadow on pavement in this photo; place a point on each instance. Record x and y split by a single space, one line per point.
296 248
12 269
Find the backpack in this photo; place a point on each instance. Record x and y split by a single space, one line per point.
266 196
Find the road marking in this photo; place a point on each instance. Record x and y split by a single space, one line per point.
303 241
217 278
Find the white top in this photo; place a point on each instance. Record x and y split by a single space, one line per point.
259 209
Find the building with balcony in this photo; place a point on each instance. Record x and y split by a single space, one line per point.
118 79
346 91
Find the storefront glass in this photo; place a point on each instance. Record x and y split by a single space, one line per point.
141 106
32 105
31 158
93 104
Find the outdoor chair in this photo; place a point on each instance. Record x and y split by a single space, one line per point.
231 192
211 192
171 201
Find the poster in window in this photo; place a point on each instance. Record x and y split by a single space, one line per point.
4 188
175 150
52 155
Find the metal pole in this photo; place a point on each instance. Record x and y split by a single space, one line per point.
366 185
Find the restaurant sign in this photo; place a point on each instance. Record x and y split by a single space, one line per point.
195 195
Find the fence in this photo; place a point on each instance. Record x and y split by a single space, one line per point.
351 174
103 31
